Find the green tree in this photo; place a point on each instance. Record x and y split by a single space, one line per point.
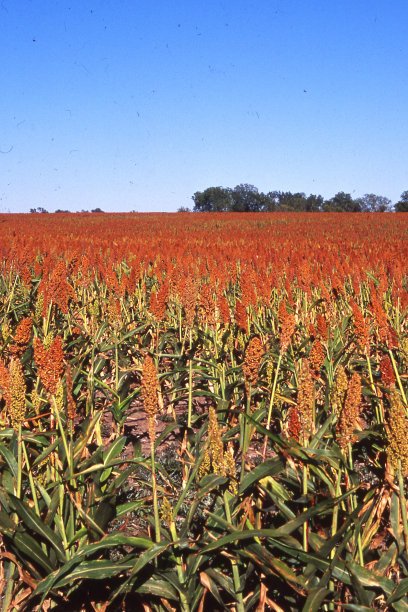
374 203
246 198
402 205
314 203
212 199
342 202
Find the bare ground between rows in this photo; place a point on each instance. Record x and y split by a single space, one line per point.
136 427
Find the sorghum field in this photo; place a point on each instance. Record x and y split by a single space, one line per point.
204 412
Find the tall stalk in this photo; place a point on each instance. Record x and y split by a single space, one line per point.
271 401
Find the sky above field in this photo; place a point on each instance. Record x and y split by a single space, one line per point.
135 105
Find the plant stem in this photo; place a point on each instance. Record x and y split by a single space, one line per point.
275 382
190 385
234 565
403 505
353 501
154 487
19 462
304 493
180 571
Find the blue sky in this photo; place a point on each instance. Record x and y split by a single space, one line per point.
135 105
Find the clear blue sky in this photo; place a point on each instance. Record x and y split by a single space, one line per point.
135 105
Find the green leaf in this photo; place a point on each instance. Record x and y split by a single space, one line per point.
356 608
267 468
6 524
209 584
34 522
160 588
371 579
10 460
400 591
315 598
123 509
150 554
110 541
114 450
29 547
98 569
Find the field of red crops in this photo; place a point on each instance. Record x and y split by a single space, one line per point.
204 412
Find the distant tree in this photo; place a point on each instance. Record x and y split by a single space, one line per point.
39 209
341 202
183 209
246 198
212 199
59 210
402 205
272 201
97 210
288 201
314 203
374 203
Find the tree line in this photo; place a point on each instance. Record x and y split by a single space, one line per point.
247 198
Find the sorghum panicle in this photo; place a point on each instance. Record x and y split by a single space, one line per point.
216 445
240 316
252 361
158 301
287 325
22 337
397 432
39 308
322 326
338 390
166 511
350 413
5 382
149 388
215 459
379 315
50 362
17 407
71 406
360 328
317 356
293 426
224 310
305 399
190 301
114 312
387 371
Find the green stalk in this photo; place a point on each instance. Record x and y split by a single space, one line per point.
19 462
180 572
304 493
234 565
64 438
403 505
379 412
245 431
116 365
334 527
31 479
397 376
275 382
190 385
353 502
7 594
154 487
